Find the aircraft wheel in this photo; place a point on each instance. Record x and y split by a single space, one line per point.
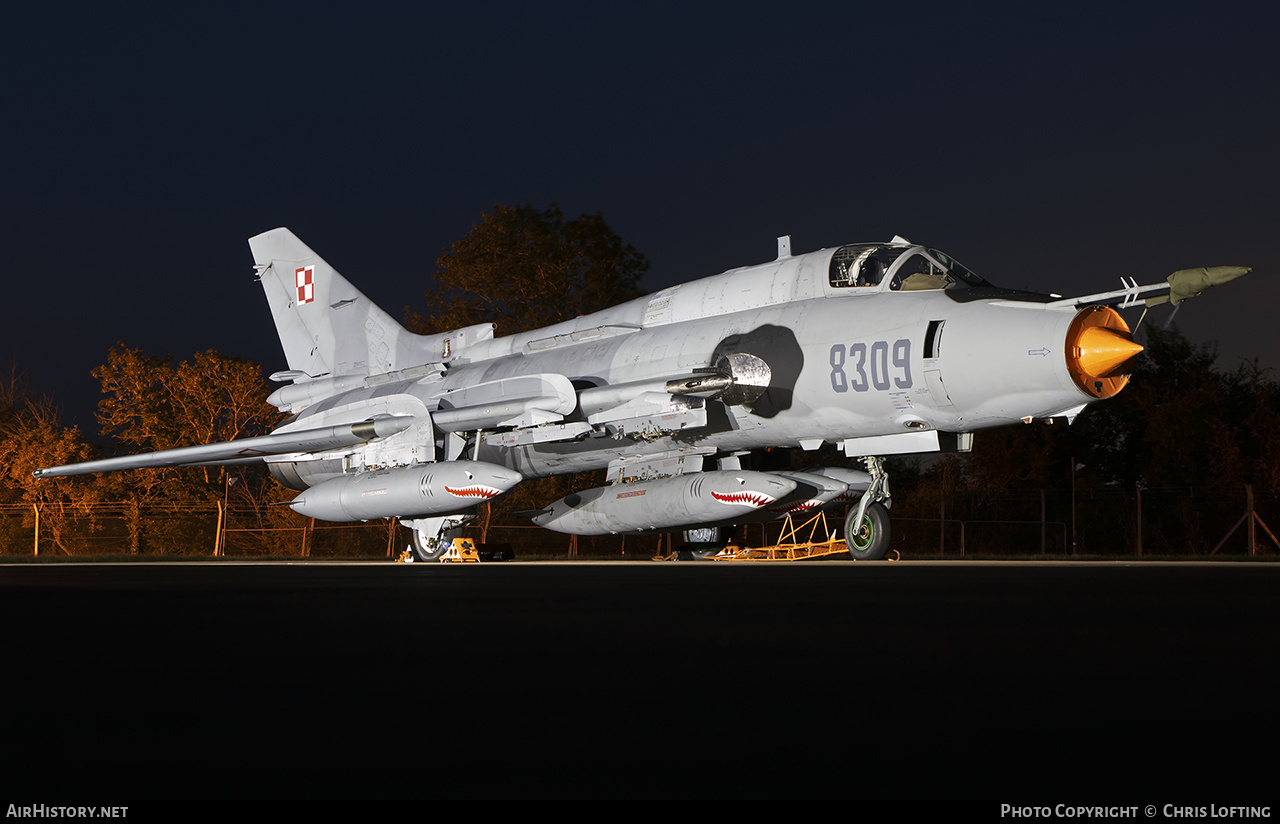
705 535
868 541
690 553
426 548
700 544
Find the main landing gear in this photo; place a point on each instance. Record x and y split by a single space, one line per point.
703 543
866 529
432 537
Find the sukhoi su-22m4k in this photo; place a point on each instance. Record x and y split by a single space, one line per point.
880 348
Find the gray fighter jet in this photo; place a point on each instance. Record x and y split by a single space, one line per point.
880 348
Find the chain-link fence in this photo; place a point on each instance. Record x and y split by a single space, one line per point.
1106 522
1171 522
185 529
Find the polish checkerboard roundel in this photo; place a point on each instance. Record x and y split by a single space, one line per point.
306 283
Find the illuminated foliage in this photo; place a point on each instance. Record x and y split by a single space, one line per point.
32 436
522 268
149 403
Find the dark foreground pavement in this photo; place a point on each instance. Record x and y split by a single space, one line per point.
909 680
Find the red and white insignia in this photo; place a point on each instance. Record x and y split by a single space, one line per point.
306 287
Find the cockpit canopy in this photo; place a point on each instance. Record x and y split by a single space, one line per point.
907 268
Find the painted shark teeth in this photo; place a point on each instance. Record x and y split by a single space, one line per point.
746 496
802 506
473 491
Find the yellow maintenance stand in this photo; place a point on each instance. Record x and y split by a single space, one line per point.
460 551
810 539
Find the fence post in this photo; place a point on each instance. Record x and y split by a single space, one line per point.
1253 530
1042 522
133 523
217 532
1139 522
942 527
1248 515
1073 505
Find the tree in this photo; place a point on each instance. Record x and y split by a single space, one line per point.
522 268
1182 422
1256 398
151 404
32 436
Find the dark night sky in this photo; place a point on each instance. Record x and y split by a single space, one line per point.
1050 146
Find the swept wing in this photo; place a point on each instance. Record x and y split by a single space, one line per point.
247 449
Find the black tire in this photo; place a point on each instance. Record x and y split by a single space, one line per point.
700 544
871 541
709 535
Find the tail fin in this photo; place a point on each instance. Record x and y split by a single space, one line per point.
328 327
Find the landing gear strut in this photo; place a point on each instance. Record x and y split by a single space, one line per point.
866 529
432 537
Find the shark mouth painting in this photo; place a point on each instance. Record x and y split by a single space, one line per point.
802 506
746 496
479 491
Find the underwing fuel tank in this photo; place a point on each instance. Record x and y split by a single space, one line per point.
820 490
427 489
665 504
856 481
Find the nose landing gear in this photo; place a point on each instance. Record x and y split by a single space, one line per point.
866 529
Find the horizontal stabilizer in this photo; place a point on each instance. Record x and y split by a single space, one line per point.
247 449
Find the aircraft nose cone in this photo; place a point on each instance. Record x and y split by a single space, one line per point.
1103 351
1098 345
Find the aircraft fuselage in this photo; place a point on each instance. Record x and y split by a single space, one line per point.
846 364
880 348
